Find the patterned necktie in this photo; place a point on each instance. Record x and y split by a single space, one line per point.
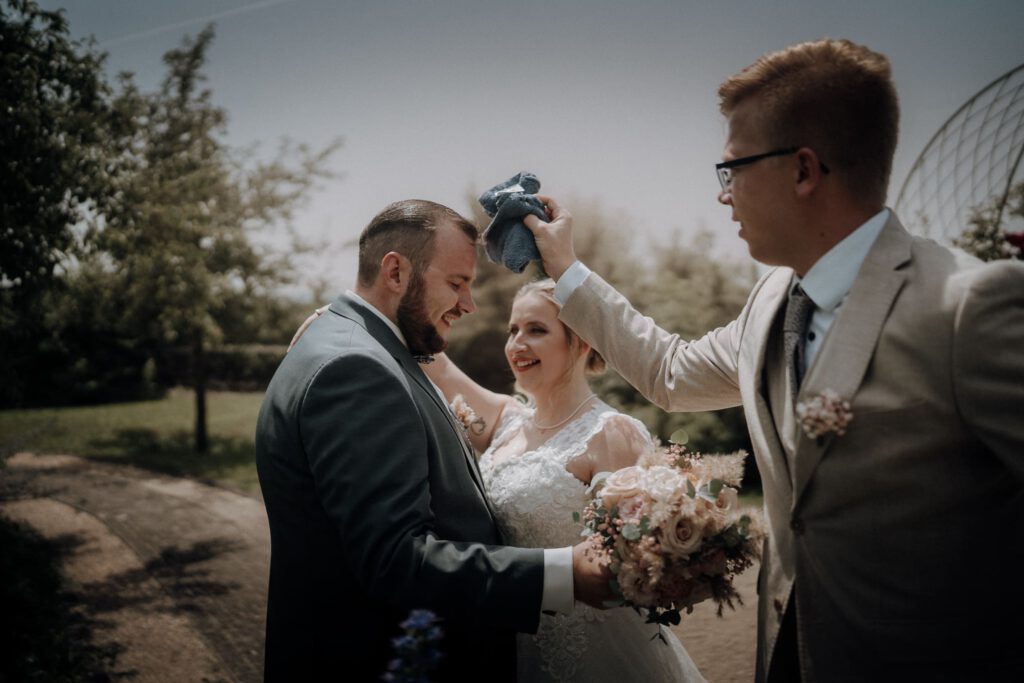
794 335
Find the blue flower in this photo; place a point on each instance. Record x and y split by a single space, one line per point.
405 643
419 619
417 654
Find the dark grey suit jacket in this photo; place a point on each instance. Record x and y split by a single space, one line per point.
376 507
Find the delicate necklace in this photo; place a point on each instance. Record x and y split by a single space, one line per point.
571 415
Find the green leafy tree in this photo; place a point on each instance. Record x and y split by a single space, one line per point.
53 168
180 237
689 292
50 133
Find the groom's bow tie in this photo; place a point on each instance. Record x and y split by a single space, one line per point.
424 359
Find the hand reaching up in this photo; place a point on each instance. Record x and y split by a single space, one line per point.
554 238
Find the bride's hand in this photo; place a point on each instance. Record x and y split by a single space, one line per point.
554 238
591 580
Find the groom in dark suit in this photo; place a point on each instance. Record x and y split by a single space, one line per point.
375 502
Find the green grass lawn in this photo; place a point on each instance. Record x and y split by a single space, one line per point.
156 435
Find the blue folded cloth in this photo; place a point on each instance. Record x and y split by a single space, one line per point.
507 240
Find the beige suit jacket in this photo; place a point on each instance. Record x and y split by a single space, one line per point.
905 536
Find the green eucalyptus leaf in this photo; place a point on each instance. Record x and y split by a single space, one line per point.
679 437
704 493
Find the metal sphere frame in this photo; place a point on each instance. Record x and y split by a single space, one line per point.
971 162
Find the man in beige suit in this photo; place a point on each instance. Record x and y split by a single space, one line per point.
896 549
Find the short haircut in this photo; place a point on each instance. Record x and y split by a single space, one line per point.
407 227
833 96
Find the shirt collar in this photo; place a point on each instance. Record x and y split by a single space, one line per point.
387 321
830 279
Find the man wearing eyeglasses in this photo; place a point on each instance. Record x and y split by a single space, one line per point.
896 540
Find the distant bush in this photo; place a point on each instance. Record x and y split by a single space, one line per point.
234 367
91 370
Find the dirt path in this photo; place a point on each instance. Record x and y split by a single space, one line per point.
724 647
177 571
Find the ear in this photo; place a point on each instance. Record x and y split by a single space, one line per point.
809 172
395 271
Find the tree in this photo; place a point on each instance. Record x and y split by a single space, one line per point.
50 130
179 236
689 293
52 166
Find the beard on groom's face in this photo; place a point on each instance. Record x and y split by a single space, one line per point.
413 320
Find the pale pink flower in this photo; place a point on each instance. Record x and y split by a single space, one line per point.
631 508
728 499
664 483
466 416
824 413
681 535
622 483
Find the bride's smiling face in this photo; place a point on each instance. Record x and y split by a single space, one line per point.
538 349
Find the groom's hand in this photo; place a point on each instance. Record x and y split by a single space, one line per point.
591 580
554 238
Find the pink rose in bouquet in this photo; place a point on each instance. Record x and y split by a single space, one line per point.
671 532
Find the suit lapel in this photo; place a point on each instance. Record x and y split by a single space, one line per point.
774 467
843 359
353 310
413 369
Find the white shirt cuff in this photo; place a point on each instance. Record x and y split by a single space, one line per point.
558 589
572 278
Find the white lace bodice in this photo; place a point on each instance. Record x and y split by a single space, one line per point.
533 494
535 497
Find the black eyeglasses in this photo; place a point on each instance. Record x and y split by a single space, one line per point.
724 169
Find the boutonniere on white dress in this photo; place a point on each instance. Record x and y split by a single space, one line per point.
466 416
824 413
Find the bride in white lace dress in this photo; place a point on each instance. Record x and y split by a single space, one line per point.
537 463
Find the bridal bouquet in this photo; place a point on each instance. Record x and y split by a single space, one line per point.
670 531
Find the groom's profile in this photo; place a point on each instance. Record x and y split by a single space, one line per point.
373 495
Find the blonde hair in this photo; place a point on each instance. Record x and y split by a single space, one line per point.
833 96
595 363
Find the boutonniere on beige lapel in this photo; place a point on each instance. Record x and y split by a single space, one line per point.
824 413
466 416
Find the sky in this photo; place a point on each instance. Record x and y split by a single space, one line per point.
610 102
